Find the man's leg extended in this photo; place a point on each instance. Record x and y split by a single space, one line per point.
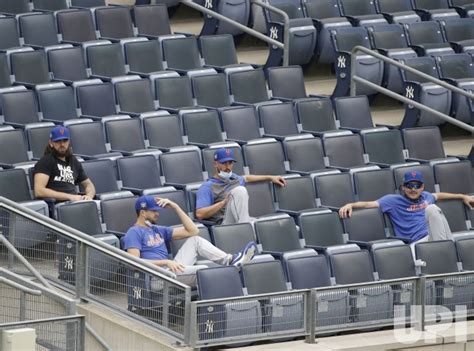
438 226
237 210
196 246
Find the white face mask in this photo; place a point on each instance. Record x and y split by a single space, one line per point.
225 175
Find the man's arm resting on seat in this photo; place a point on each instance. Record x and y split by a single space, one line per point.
41 191
89 189
209 211
279 180
346 210
172 265
467 199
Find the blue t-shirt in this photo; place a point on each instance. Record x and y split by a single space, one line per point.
150 241
408 217
215 190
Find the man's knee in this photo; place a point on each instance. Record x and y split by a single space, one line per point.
239 191
432 210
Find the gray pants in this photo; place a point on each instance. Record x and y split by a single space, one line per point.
438 227
237 209
188 254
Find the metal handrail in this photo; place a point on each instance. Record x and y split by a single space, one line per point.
250 31
445 117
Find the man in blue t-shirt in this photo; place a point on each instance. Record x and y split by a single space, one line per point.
413 213
147 240
223 198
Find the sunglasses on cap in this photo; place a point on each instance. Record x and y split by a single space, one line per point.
413 185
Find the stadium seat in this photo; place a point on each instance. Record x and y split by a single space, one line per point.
126 136
434 9
240 123
372 185
9 37
344 150
459 33
14 7
218 52
208 157
181 168
320 107
152 21
168 216
464 249
51 110
106 61
144 58
455 213
38 30
423 144
88 141
50 5
361 12
264 156
232 237
103 175
304 154
211 90
424 169
326 182
114 22
174 93
76 26
287 82
144 182
202 128
249 87
397 11
30 68
454 177
118 214
96 100
353 112
260 199
464 7
426 38
87 3
237 10
296 197
38 137
163 131
5 80
67 65
278 120
20 108
134 97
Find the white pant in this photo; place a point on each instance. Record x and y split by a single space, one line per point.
438 227
237 209
188 253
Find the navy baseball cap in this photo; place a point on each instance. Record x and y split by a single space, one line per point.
147 203
223 155
59 133
413 176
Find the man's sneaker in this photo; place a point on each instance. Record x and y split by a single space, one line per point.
244 256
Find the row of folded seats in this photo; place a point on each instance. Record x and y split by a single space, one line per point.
14 7
356 306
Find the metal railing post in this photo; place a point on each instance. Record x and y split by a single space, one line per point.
311 317
420 287
81 280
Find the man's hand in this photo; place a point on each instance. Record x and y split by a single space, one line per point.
278 180
79 197
468 201
345 211
165 203
174 266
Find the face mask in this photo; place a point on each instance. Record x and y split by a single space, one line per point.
225 175
148 223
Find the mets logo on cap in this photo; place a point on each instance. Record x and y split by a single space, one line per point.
413 174
143 205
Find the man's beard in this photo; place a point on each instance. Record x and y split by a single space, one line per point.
60 153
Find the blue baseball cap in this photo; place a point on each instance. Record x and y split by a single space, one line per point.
223 155
59 133
147 203
413 176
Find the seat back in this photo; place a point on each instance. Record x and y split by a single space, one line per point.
240 123
320 9
389 36
57 104
260 199
218 50
346 38
106 60
464 249
458 29
248 86
277 234
278 119
264 277
102 174
287 82
181 167
9 37
148 177
344 151
13 147
219 282
168 216
321 228
14 185
325 185
20 107
202 127
88 138
37 140
67 64
357 7
365 225
152 20
119 213
14 7
125 134
174 92
87 3
455 214
384 146
394 262
391 6
264 157
38 29
4 72
76 25
30 67
425 169
454 177
163 131
292 9
423 143
304 155
352 267
144 56
82 215
353 112
432 251
232 237
430 4
211 90
308 272
135 96
316 115
372 185
50 5
96 100
456 66
425 65
114 22
427 32
181 53
208 158
297 195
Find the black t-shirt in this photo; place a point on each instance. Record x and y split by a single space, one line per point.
63 176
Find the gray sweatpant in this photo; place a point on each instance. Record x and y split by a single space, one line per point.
237 209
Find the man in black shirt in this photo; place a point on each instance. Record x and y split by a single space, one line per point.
58 172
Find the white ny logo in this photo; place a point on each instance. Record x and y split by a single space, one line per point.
209 326
273 33
410 92
341 62
137 293
68 262
208 4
